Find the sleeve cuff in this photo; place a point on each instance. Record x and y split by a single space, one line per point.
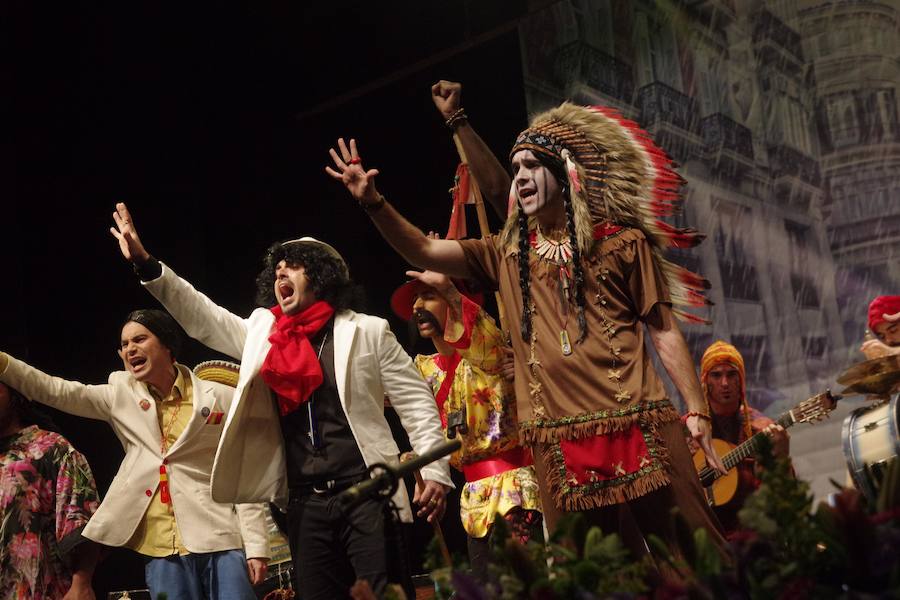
254 551
148 270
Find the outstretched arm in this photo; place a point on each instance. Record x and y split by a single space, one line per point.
492 178
445 256
676 358
90 401
201 318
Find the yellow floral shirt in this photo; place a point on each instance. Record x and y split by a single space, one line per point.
490 407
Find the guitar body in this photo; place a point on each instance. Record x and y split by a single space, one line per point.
723 489
720 489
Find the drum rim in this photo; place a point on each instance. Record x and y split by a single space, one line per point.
850 455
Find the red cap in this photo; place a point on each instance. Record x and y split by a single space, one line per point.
404 297
881 306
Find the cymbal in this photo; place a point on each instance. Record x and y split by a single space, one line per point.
876 376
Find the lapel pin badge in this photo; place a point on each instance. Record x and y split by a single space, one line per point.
145 405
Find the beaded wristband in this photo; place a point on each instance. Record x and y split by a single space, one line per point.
458 116
373 207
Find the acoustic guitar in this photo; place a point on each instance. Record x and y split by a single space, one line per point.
720 489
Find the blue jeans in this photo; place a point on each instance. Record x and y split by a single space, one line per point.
211 576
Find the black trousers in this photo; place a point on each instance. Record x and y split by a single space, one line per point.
331 550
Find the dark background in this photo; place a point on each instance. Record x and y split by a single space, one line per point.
213 124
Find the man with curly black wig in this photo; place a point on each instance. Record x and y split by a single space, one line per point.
308 413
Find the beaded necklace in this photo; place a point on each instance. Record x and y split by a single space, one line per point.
558 255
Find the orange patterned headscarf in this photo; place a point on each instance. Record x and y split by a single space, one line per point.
723 353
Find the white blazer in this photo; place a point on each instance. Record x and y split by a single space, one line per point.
205 525
368 363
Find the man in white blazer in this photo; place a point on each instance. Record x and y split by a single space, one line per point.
159 504
308 416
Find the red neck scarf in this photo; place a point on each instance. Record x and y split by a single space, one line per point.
292 367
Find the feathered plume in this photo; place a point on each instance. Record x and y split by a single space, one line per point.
617 171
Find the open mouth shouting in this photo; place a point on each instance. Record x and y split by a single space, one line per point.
285 290
137 363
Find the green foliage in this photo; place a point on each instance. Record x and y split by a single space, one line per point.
787 550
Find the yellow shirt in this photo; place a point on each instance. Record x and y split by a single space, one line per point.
157 533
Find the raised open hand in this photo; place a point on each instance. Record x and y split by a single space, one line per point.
124 231
438 281
446 97
349 171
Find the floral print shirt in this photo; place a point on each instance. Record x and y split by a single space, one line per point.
47 496
490 409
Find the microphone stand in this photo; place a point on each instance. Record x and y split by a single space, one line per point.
384 479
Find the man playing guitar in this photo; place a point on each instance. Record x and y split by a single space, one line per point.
722 377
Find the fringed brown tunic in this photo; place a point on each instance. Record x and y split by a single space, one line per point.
595 412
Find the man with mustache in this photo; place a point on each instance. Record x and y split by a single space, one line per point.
308 414
723 378
580 260
159 503
476 403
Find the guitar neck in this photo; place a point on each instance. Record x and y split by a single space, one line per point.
749 447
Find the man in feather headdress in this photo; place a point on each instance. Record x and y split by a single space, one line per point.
580 259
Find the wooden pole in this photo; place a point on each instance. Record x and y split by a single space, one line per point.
438 532
482 225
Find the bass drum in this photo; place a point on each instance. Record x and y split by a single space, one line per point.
871 438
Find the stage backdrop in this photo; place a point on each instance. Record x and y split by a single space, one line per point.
783 117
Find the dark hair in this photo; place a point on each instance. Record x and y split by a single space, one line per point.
28 412
162 325
557 169
327 275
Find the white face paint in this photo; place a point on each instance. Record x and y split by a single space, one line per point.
536 187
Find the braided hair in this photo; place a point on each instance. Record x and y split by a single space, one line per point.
558 171
525 275
577 269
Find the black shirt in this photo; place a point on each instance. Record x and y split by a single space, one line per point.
335 454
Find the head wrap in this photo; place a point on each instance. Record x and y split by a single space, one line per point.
614 174
160 324
881 306
723 353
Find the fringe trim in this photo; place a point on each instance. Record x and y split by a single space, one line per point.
621 239
631 490
648 479
589 425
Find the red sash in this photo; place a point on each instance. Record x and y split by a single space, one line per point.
450 369
515 458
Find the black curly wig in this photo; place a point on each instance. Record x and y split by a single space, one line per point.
326 273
